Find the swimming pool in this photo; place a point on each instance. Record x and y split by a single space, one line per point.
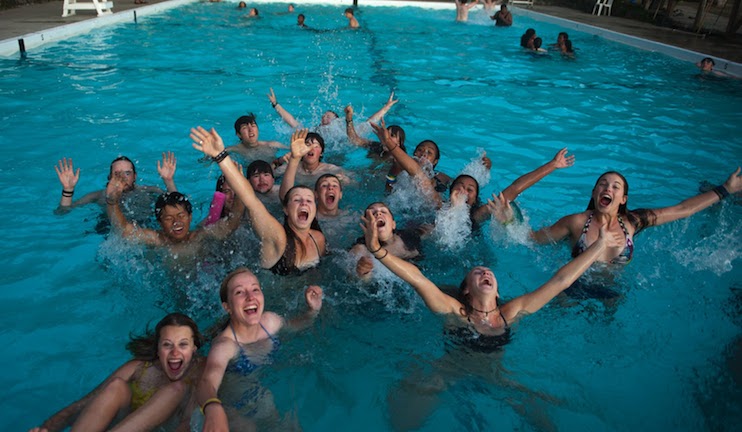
660 360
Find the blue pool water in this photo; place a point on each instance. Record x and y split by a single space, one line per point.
664 358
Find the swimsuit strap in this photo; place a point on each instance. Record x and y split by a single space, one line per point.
623 227
270 336
507 326
587 223
315 245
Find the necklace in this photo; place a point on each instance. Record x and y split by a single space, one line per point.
486 313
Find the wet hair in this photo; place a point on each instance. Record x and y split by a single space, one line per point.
526 36
564 35
292 241
144 347
537 43
349 10
708 59
224 287
324 176
220 183
333 113
172 199
259 167
300 16
399 132
640 218
256 11
320 140
465 298
437 150
245 119
381 203
118 159
241 5
477 202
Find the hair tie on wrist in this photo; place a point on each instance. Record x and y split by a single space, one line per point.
721 191
274 104
221 156
110 201
386 252
373 252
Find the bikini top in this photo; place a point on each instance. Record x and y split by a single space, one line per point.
626 254
242 364
469 338
283 267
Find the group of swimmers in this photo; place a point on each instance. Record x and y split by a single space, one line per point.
167 380
300 18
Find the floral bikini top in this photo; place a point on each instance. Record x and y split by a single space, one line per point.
626 254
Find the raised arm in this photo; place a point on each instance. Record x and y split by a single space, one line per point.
350 129
563 279
313 298
69 177
699 202
378 115
269 230
560 160
114 189
299 148
435 299
166 169
562 229
285 115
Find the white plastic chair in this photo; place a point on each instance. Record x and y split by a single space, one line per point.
602 4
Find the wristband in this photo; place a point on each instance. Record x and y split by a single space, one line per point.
391 179
209 402
721 191
373 252
274 104
68 194
386 252
110 201
221 156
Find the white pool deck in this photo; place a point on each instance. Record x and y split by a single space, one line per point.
33 17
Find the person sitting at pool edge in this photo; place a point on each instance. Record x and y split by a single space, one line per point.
152 389
352 21
246 129
174 213
123 167
503 17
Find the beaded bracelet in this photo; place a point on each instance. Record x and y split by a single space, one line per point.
68 194
209 402
386 252
721 191
221 156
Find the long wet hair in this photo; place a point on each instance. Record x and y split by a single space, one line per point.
144 347
477 201
118 159
640 218
399 133
292 240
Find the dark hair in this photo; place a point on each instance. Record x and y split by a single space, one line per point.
256 11
537 43
527 35
324 176
118 159
566 36
709 59
291 239
437 150
144 347
172 199
477 203
379 202
319 139
245 119
259 167
349 10
640 218
399 133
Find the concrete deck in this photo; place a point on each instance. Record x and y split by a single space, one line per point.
39 23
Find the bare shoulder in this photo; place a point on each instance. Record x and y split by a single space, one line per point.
272 322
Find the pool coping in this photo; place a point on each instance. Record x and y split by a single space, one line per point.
17 46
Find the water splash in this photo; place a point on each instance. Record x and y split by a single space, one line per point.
452 226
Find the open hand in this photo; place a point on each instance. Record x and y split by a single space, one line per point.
67 174
166 168
208 142
561 160
370 233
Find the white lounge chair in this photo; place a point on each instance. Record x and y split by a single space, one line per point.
528 3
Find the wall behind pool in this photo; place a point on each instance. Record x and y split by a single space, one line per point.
10 47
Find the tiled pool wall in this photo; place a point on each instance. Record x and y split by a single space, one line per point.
12 47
